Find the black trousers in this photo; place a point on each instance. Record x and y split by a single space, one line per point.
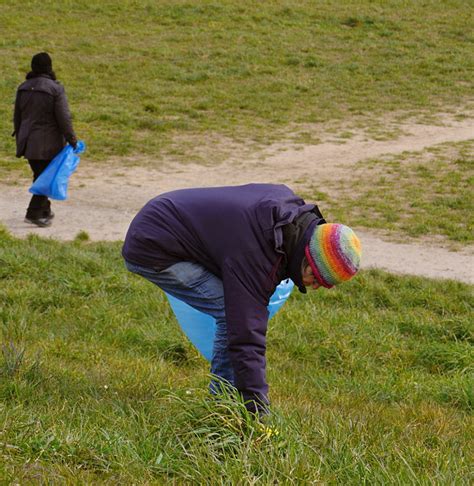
40 206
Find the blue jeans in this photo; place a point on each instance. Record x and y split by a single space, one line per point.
201 289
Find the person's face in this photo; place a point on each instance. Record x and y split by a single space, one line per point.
309 280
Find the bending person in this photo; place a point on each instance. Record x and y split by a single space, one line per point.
223 250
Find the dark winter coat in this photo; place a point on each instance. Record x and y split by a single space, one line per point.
42 120
236 233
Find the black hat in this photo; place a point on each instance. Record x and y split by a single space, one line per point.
41 63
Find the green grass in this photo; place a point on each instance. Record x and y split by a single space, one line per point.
142 74
415 193
370 383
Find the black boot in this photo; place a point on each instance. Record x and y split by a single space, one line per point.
42 222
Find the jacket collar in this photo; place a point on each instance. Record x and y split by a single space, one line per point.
32 75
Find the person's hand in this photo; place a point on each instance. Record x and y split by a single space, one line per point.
73 143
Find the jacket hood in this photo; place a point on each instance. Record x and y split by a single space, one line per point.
296 258
43 82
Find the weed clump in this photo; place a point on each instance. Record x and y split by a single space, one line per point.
12 359
82 236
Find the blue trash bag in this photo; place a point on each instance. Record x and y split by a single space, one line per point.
200 328
53 181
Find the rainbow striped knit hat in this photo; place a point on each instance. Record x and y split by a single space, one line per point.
333 252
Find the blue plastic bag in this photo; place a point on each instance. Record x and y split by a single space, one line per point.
53 181
200 328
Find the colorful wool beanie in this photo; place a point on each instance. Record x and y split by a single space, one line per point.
333 253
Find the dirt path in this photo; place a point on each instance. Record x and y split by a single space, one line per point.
103 200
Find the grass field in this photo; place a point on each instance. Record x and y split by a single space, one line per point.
427 193
141 74
370 383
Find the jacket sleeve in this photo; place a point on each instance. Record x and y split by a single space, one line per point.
16 115
63 116
247 319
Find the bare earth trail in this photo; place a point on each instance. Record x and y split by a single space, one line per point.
104 199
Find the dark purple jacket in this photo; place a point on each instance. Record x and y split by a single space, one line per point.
42 121
234 232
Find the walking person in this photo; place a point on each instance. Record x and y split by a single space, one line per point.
223 251
42 126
